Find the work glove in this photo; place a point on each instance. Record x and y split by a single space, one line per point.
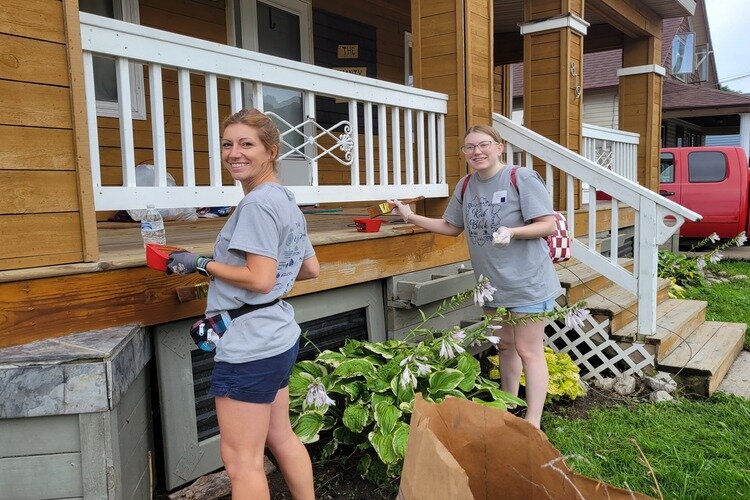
501 238
403 210
187 263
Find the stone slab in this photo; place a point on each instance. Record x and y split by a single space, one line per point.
737 379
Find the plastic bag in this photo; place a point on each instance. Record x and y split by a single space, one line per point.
145 175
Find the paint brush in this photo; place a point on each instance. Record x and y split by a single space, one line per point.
386 207
193 292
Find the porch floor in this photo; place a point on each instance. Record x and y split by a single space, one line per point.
120 244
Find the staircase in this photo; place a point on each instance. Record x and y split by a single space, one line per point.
697 352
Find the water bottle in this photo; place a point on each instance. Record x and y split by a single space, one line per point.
152 227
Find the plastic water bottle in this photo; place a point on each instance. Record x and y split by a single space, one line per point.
152 227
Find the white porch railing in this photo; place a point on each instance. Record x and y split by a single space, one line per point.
615 150
403 154
654 214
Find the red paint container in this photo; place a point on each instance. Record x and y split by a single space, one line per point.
368 225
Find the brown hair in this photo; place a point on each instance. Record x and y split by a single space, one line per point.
268 133
485 129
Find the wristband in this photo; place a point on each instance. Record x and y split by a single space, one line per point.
200 265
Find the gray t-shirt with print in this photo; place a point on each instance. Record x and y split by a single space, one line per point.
522 272
266 222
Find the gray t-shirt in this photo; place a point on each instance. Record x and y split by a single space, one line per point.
522 272
266 222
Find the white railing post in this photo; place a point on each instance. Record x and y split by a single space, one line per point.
186 127
382 145
125 108
354 121
647 267
396 145
157 124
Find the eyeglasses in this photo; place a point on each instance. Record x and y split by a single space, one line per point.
468 149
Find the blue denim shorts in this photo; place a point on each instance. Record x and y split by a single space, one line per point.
540 307
255 381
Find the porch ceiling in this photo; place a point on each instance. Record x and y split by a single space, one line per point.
509 13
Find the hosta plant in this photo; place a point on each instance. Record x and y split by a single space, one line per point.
361 396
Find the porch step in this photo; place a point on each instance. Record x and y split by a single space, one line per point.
701 361
619 305
580 281
675 320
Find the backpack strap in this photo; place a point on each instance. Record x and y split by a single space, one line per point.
464 185
513 176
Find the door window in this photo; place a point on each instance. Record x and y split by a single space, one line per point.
666 168
707 166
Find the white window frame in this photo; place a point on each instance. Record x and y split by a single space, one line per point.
408 54
131 14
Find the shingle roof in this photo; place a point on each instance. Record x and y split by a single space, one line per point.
678 95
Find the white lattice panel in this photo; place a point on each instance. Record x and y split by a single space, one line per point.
595 352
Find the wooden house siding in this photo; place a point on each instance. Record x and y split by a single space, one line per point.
41 151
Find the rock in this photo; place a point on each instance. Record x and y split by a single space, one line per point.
661 382
605 384
660 397
624 385
738 277
213 486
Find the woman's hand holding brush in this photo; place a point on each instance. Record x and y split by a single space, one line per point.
404 211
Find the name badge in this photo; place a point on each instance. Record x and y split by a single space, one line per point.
499 197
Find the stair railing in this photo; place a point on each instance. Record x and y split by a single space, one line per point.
656 218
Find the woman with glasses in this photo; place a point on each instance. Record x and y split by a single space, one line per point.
505 226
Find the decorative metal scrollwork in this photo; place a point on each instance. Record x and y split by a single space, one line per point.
312 134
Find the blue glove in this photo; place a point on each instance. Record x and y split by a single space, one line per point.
187 263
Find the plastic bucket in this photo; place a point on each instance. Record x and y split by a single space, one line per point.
368 225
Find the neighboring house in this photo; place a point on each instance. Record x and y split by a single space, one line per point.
694 109
95 344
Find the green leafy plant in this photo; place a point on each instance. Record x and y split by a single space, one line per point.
564 378
685 271
362 395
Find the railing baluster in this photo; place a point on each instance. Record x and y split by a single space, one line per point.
369 147
396 145
614 238
592 219
409 146
235 93
308 112
431 147
421 178
93 128
186 128
257 89
353 119
509 153
125 108
549 178
570 205
529 160
441 148
382 145
212 127
157 123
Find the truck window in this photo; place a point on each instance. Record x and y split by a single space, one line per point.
707 166
666 170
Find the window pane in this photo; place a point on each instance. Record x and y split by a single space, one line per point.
666 170
105 79
104 8
707 166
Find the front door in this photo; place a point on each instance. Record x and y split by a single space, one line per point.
279 28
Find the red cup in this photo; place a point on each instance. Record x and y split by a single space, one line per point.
368 225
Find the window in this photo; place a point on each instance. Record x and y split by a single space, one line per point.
105 74
408 68
701 62
707 166
666 169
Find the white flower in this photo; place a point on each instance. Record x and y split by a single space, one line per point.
316 395
449 349
407 359
422 369
716 257
408 378
484 291
458 336
493 339
714 237
575 317
741 239
701 263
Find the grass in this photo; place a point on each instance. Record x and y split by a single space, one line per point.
727 301
696 449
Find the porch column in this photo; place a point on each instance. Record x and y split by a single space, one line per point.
640 94
452 53
745 132
553 75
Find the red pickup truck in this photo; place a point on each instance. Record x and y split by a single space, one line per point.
713 181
